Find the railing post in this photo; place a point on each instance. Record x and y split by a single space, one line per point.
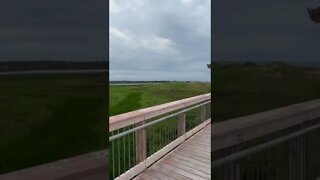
141 144
181 124
203 113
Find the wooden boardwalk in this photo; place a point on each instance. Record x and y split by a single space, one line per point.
190 160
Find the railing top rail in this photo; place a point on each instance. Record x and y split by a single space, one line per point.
238 130
241 154
133 117
155 122
82 166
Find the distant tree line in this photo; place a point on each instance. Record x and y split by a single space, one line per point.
267 63
128 82
50 65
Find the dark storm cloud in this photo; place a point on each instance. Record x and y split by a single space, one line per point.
56 30
265 30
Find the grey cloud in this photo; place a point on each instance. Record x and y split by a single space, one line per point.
186 25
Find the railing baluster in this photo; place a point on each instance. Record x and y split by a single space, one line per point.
133 148
167 128
154 132
113 154
124 151
163 137
142 145
160 135
119 162
297 159
129 151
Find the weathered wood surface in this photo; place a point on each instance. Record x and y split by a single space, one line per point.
190 160
239 130
165 150
88 166
133 117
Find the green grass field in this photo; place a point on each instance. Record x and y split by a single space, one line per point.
51 117
44 118
128 98
241 90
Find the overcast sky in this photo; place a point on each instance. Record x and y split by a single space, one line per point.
160 39
73 30
259 30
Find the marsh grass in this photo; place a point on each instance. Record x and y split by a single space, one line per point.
242 90
129 98
44 118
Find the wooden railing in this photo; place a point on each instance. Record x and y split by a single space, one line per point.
92 165
139 138
279 144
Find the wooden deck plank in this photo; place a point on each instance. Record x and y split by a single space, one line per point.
206 134
169 172
190 160
190 164
201 143
145 176
158 174
196 147
138 178
199 138
206 144
202 147
183 166
195 161
207 131
189 155
181 171
202 154
203 136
